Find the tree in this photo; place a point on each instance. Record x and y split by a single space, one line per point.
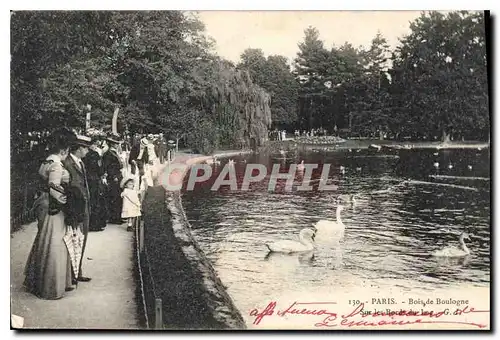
157 67
441 68
311 65
274 76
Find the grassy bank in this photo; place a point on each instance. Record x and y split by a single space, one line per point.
177 271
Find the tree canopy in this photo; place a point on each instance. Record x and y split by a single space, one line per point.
434 83
156 66
159 68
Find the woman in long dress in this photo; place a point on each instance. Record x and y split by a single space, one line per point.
48 269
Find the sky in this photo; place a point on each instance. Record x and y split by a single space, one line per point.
279 32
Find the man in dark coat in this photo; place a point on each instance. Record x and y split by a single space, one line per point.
78 181
97 188
139 156
161 148
112 166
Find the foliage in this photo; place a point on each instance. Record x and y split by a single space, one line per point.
441 70
434 83
273 75
157 67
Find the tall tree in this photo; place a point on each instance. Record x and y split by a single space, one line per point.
274 75
311 65
158 67
441 68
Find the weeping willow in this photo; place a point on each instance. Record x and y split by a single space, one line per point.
236 112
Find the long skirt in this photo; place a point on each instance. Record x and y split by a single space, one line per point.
48 269
114 202
98 206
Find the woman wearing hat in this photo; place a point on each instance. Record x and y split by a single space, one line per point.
48 269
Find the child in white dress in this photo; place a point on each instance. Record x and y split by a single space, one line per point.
131 204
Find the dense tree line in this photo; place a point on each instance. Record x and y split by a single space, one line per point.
434 84
157 67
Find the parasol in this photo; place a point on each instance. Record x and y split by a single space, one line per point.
74 243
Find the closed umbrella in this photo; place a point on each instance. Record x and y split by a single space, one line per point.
74 243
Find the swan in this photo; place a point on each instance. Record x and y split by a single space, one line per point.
349 198
331 228
306 238
212 161
436 165
469 167
452 251
450 166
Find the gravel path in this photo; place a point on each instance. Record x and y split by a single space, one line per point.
106 302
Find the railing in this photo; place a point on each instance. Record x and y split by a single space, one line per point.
23 186
151 302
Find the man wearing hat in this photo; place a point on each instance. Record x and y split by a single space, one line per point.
78 181
112 165
139 156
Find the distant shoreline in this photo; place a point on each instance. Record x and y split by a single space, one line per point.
388 144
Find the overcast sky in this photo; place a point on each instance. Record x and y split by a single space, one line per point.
279 32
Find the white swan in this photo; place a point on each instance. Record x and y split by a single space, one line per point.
436 165
452 251
306 238
326 229
212 161
352 198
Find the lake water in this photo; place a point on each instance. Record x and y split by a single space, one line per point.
400 217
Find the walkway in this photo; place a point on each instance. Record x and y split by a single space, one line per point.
106 302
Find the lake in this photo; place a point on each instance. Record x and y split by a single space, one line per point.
401 215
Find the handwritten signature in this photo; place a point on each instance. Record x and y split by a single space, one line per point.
361 317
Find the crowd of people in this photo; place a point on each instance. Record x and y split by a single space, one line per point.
280 135
87 181
310 133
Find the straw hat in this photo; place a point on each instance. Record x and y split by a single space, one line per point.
113 138
83 140
144 141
